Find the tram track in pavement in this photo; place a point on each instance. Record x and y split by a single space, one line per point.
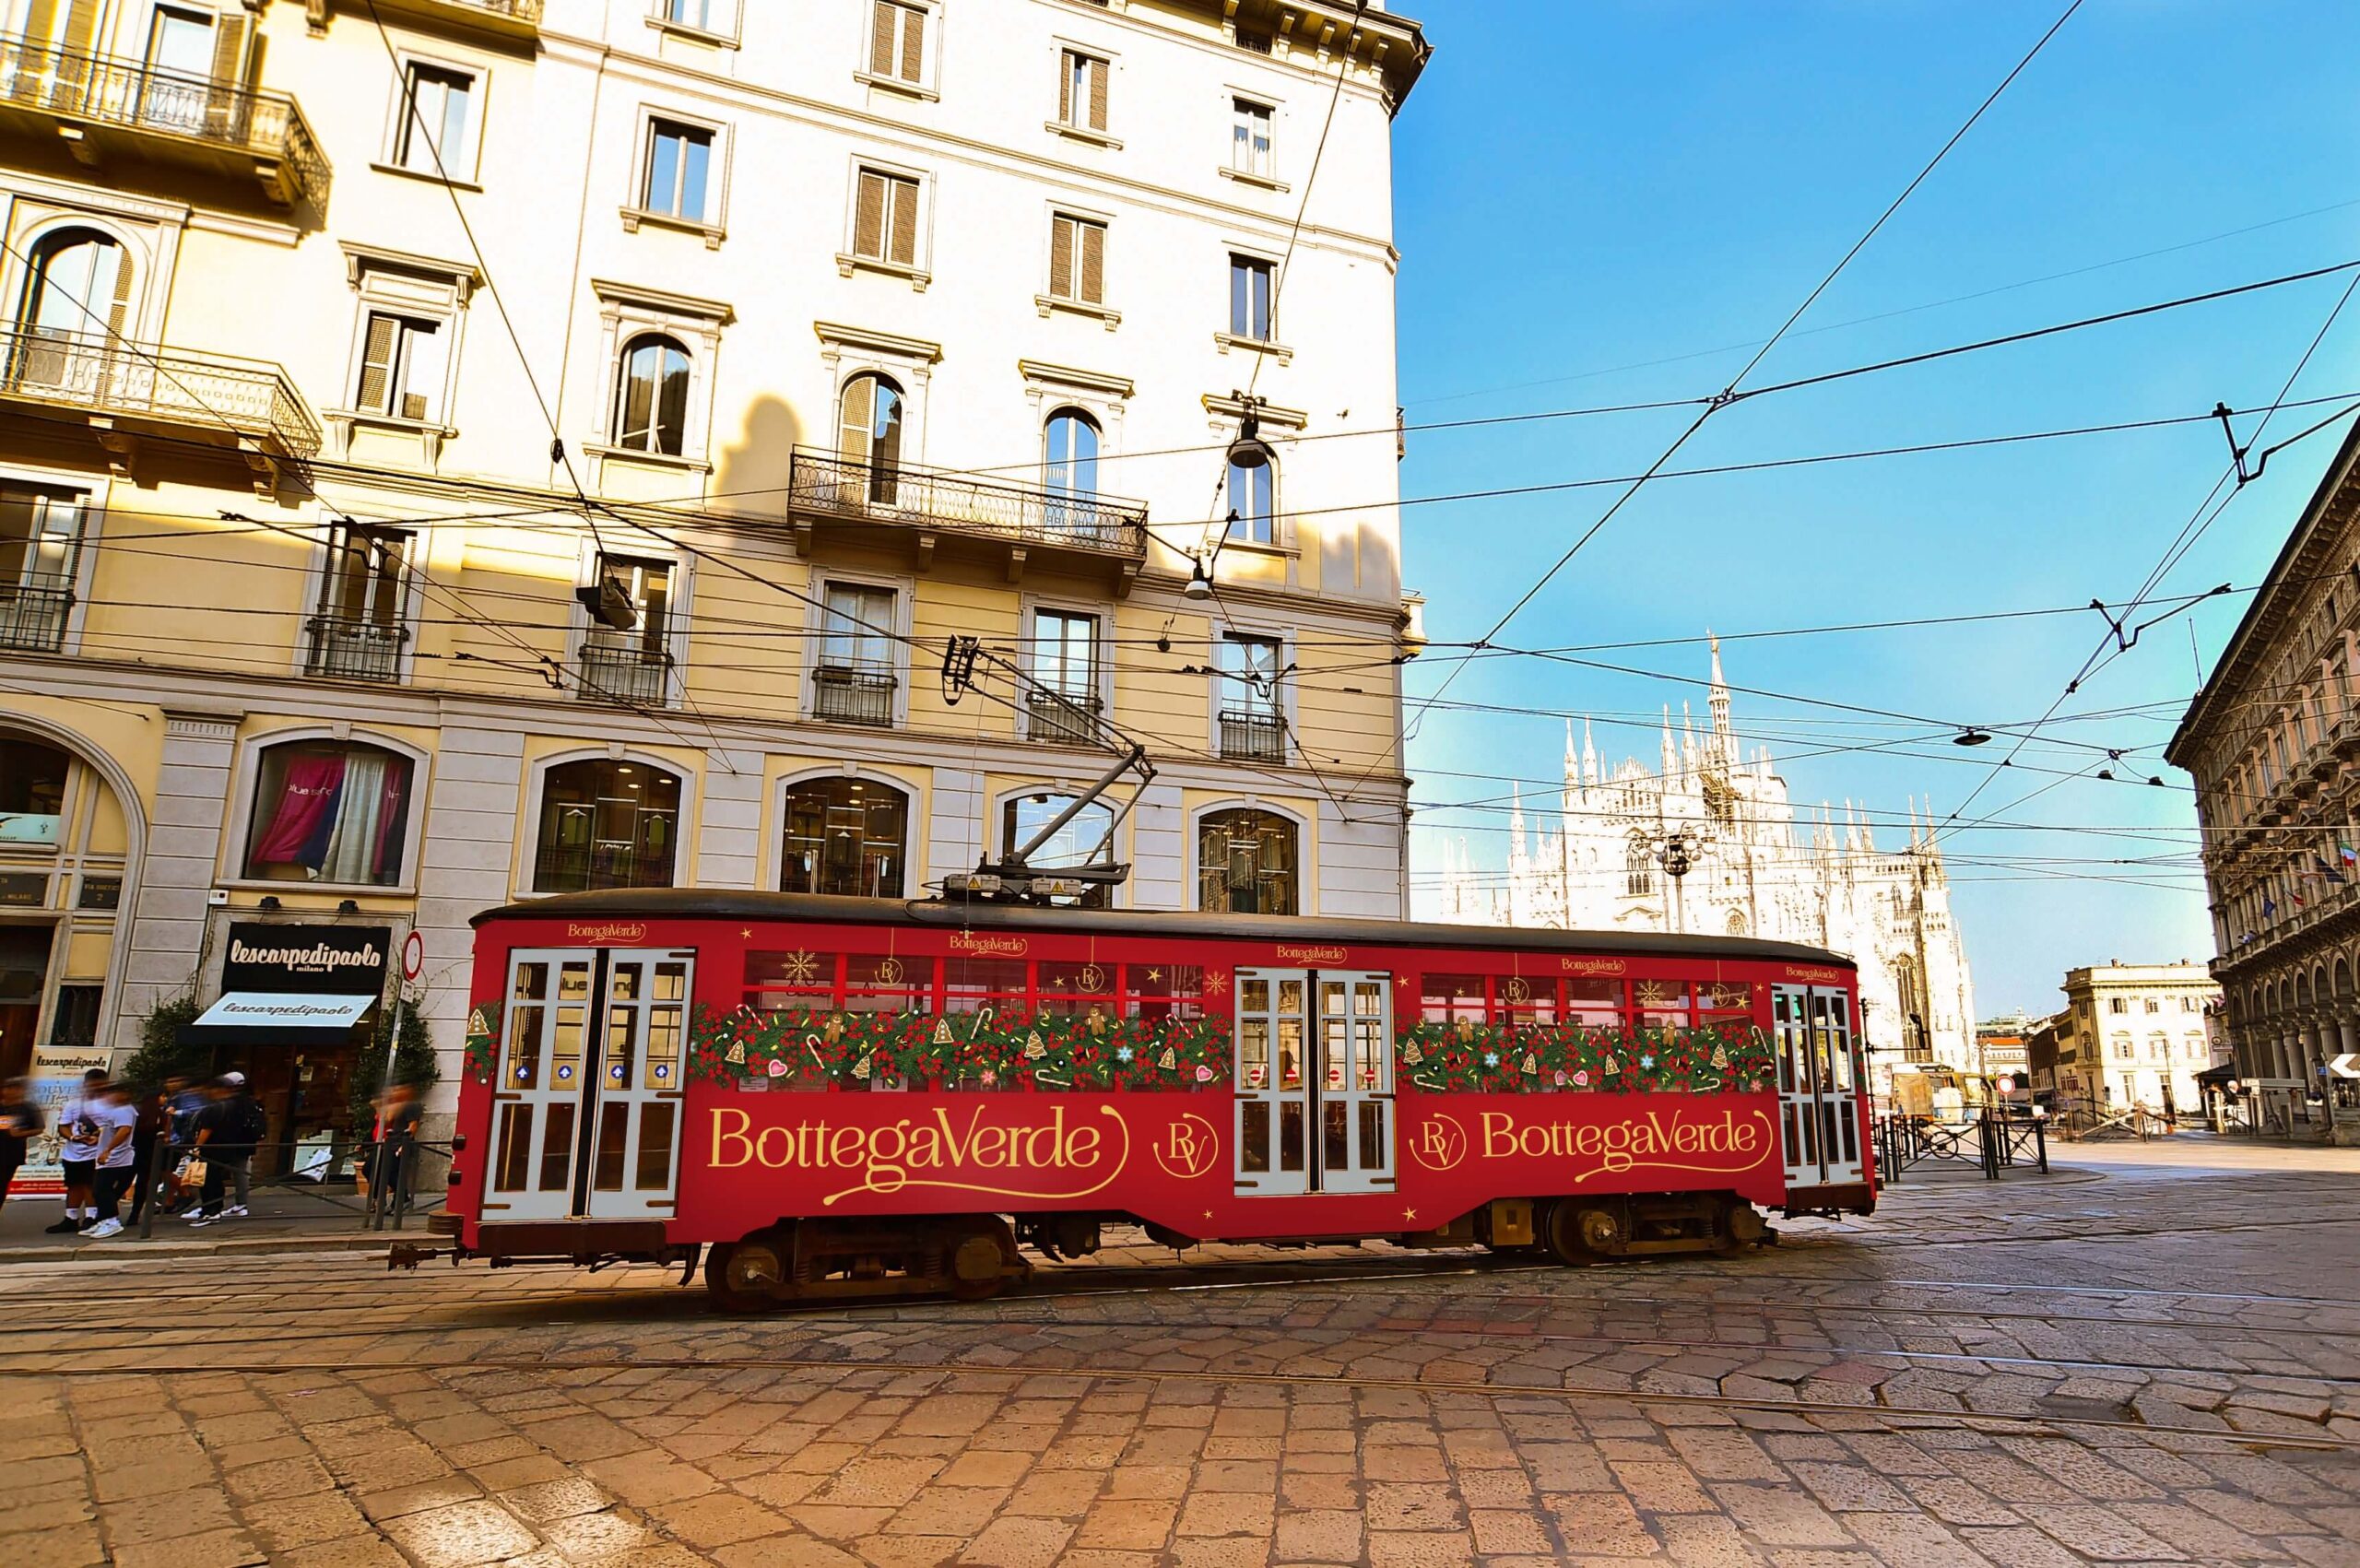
1900 1417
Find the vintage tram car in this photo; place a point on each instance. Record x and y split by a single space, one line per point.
827 1097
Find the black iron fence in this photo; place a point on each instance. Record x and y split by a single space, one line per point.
32 618
1253 735
1994 1141
829 484
354 650
849 695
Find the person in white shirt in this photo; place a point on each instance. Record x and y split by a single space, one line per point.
77 1151
118 1164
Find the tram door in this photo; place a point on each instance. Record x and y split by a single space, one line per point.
1819 1119
1315 1082
587 1099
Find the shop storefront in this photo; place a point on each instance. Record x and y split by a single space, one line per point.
297 1012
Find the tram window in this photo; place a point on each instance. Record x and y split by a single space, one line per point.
1597 1003
656 1147
1253 1055
1516 1000
968 986
1336 1142
1290 1135
1725 1004
614 1133
880 982
1163 990
1290 1065
1253 1140
556 1148
1374 1144
798 979
1446 997
1067 984
1663 1004
515 1147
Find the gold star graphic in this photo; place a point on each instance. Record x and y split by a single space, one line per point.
1208 1213
746 931
1409 1214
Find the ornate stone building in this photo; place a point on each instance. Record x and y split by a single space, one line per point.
1759 870
2271 740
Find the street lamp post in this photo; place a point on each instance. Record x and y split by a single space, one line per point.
1677 856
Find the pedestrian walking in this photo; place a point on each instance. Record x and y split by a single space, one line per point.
397 1121
152 1128
118 1121
77 1152
227 1132
184 1098
20 1122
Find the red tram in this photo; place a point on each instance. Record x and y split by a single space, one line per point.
840 1097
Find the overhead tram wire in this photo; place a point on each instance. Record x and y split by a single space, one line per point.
1731 392
2182 542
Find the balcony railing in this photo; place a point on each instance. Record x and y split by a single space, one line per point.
1253 735
131 96
105 374
1070 718
825 484
520 18
32 617
354 650
847 695
628 673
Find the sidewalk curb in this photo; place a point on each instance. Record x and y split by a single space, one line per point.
133 1248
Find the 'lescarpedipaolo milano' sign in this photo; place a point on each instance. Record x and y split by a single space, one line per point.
317 960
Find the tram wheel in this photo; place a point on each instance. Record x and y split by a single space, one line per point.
746 1277
1560 1235
1740 1228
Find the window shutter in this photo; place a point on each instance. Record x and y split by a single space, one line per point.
423 376
1094 262
913 43
905 222
869 222
225 110
377 364
119 307
1061 257
1065 88
881 39
1098 95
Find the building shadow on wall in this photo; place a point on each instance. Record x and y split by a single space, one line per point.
751 480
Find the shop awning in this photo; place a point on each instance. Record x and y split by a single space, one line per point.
271 1018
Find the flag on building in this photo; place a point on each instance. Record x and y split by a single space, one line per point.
2346 854
2329 872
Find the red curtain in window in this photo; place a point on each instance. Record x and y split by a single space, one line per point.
303 812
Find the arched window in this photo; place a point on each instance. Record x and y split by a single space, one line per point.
1737 922
605 824
1071 465
33 791
652 396
844 836
1638 868
330 811
869 432
1088 839
77 292
1252 498
1245 863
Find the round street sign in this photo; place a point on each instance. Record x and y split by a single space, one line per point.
2007 1086
413 956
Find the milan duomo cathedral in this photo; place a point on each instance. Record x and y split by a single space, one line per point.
1757 871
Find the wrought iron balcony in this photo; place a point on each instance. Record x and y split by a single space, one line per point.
1253 735
32 616
354 650
106 108
930 506
628 673
505 18
128 386
1069 718
848 694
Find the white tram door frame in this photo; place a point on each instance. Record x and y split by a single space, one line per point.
1272 1127
1819 1124
631 1143
1314 1076
1354 1085
538 1083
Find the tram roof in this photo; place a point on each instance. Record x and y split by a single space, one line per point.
748 904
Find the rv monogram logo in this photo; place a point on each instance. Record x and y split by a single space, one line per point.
1441 1143
1188 1148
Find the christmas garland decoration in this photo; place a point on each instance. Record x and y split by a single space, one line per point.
1469 1056
483 1041
1020 1049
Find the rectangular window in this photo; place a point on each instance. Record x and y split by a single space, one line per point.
631 666
680 159
697 14
885 219
2116 1005
897 41
1249 298
40 531
1082 90
1065 664
1253 724
401 367
1249 145
437 105
855 631
1077 260
358 632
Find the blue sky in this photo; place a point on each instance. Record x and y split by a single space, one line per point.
1584 189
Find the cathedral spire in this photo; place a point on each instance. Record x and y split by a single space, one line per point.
1589 755
1671 754
1572 762
1720 698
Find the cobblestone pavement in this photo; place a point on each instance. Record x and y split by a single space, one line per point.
2139 1361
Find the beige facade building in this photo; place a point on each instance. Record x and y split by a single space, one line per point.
2271 740
2134 1034
453 451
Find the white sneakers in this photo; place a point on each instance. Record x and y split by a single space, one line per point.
104 1228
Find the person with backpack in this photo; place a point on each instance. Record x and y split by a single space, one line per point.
227 1131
